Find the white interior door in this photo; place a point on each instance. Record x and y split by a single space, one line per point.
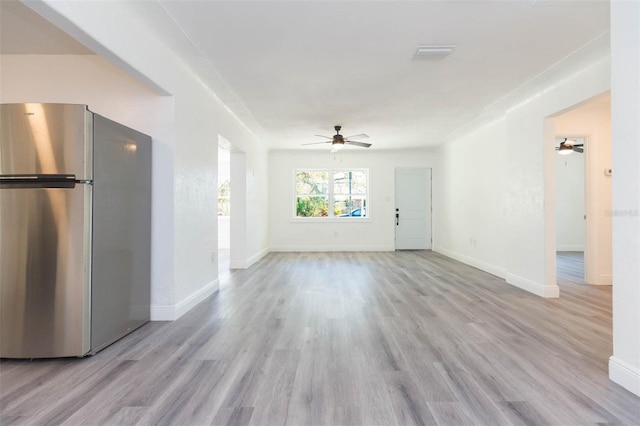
413 209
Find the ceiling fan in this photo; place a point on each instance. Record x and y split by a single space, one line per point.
338 141
567 146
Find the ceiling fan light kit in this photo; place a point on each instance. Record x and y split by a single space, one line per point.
565 150
336 147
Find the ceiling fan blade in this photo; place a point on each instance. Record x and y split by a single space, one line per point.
360 136
322 136
578 144
315 143
362 144
576 149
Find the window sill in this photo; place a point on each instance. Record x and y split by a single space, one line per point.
330 220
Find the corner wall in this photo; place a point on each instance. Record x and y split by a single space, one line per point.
199 117
505 161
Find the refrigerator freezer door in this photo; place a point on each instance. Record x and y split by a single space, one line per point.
50 139
44 272
121 232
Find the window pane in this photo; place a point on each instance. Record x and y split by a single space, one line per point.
350 182
354 206
359 182
312 183
312 206
341 205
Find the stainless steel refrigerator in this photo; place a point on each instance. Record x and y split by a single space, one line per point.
75 230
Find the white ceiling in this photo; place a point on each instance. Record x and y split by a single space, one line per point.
293 69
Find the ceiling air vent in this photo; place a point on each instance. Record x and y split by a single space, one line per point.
433 53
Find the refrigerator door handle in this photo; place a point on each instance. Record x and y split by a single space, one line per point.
38 181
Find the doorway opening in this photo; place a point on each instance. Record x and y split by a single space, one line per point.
570 211
588 123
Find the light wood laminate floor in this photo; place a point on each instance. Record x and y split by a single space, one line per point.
570 267
345 338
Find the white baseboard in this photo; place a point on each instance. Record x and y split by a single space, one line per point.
331 248
483 266
624 374
173 312
237 264
547 291
244 264
253 259
570 247
603 279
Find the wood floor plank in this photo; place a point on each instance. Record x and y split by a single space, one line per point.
389 338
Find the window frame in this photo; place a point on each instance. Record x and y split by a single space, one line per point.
331 196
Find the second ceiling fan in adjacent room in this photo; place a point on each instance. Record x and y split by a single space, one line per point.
567 146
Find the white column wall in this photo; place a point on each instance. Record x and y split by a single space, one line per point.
624 365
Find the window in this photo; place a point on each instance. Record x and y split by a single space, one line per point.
346 191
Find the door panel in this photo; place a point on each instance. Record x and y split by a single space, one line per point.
121 273
44 272
45 139
413 209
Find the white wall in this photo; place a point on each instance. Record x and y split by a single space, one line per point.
377 233
593 121
469 199
624 365
90 80
570 224
224 223
199 117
